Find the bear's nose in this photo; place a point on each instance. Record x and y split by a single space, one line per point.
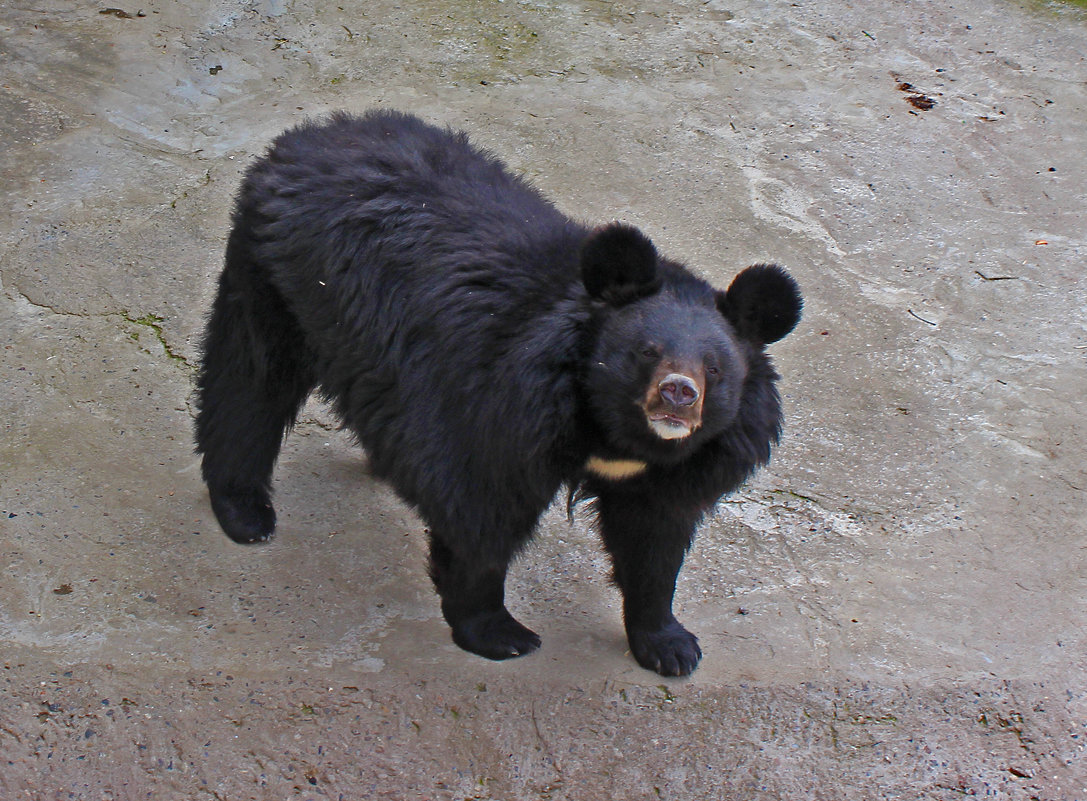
678 390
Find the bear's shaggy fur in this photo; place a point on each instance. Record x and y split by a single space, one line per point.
486 351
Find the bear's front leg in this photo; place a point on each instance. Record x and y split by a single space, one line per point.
647 541
473 604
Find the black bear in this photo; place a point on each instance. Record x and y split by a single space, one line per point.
486 351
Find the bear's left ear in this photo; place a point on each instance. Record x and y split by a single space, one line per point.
619 264
763 303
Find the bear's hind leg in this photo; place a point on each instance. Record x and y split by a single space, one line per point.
473 604
254 376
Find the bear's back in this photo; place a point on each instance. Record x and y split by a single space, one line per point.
386 206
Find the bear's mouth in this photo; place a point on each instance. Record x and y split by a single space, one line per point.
670 426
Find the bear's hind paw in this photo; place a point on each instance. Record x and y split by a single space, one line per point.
246 516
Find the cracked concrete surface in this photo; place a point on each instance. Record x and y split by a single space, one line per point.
894 609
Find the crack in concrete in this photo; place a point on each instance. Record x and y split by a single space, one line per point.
149 320
549 753
46 307
154 322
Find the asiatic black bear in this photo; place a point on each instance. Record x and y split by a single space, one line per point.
487 351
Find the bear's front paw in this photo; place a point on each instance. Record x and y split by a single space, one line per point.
245 516
495 635
670 651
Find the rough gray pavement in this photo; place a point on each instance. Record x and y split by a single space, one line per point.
894 609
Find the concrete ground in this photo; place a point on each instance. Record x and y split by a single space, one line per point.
894 609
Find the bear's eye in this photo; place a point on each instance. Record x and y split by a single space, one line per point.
649 352
713 370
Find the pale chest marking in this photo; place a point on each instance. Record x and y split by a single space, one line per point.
615 469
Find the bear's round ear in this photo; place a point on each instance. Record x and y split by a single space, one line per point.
619 264
763 303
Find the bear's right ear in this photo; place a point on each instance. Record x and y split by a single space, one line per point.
619 264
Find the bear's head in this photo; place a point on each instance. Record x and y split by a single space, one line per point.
671 356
